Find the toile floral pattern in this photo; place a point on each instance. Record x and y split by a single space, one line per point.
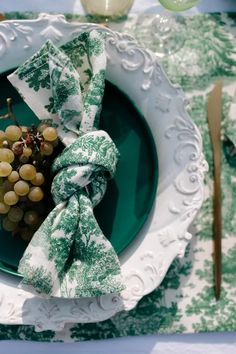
69 256
185 302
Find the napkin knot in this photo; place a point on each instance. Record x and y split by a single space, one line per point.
86 164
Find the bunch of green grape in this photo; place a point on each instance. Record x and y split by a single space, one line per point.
25 158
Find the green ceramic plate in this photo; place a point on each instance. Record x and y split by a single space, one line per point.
130 195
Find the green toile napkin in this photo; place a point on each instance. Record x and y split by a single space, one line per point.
69 256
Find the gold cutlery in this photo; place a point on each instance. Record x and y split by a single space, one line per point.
214 112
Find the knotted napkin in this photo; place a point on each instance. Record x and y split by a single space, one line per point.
69 256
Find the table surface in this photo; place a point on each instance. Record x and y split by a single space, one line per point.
217 343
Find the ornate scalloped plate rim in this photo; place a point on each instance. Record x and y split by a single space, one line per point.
181 164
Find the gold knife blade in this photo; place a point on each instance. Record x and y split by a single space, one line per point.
214 122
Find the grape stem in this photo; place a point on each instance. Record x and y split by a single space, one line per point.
10 114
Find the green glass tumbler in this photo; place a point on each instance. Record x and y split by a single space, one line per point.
104 10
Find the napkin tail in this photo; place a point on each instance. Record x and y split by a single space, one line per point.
95 268
92 267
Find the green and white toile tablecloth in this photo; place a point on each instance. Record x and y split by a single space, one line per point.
185 300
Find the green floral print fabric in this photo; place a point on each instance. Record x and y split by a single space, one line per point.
69 256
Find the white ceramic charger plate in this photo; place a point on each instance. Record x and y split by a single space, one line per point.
144 263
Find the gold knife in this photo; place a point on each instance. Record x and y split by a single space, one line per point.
214 123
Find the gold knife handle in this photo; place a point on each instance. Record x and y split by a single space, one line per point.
217 220
214 122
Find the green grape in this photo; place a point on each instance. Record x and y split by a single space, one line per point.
5 169
38 179
31 217
42 127
6 155
46 148
35 194
4 208
24 129
9 225
21 188
7 186
15 214
26 234
50 134
13 132
2 193
23 204
2 136
27 151
37 224
21 195
13 176
27 172
11 198
23 159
